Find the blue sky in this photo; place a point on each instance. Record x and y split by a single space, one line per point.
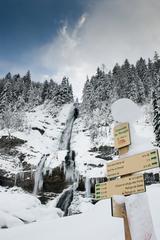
53 38
28 24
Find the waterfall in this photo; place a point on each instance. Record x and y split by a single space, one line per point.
66 134
38 177
69 163
69 158
65 200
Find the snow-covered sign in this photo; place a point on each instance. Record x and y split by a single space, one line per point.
132 164
123 186
139 217
125 110
135 209
122 135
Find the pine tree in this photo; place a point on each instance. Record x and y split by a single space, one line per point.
87 94
26 86
141 68
156 117
66 91
8 76
52 89
45 91
5 96
118 81
140 91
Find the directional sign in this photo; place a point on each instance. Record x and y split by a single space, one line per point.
136 163
123 186
122 135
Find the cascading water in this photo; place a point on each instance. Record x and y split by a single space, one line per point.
38 178
65 200
69 159
69 163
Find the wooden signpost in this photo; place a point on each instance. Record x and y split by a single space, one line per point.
122 135
123 186
128 184
136 163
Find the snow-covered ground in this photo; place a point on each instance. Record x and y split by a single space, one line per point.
18 208
38 144
81 144
95 223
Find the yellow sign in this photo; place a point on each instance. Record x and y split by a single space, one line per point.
122 135
136 163
123 186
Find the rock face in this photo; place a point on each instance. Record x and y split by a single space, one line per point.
6 181
104 152
7 143
55 182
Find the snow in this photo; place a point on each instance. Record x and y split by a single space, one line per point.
6 220
81 144
17 208
125 110
95 223
139 217
38 144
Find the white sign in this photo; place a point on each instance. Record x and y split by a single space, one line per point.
139 217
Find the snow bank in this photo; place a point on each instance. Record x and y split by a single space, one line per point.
95 224
17 208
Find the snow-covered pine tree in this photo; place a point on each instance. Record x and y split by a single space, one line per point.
5 96
156 116
118 81
87 92
26 86
52 89
45 91
141 68
156 60
129 88
140 91
139 95
66 91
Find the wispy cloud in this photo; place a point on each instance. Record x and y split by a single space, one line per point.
109 32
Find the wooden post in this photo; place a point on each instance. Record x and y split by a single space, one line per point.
119 210
126 227
123 150
125 219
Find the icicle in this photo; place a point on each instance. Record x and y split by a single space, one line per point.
87 187
32 171
50 171
38 178
21 175
15 179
